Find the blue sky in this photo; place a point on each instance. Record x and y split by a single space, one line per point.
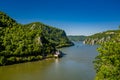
76 17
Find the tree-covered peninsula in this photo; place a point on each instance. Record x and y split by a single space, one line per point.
30 42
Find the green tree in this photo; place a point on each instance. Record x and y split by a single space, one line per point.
107 63
2 60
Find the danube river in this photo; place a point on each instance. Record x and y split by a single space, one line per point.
76 64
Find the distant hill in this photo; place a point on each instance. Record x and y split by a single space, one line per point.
76 38
30 42
101 37
52 34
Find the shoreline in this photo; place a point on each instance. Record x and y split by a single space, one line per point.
19 60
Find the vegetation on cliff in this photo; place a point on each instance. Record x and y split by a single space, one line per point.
34 41
54 35
102 37
107 63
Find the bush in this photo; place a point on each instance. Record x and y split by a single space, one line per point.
39 57
2 60
11 60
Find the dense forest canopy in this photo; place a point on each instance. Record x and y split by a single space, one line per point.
34 41
54 35
107 63
6 21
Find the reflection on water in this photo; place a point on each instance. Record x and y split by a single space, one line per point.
75 65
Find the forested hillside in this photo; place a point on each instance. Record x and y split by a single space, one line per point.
107 63
34 41
99 38
54 35
6 21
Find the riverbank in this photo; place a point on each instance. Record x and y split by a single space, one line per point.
76 63
16 60
13 59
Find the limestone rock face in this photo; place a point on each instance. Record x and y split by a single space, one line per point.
101 37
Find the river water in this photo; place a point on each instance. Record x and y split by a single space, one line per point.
75 65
